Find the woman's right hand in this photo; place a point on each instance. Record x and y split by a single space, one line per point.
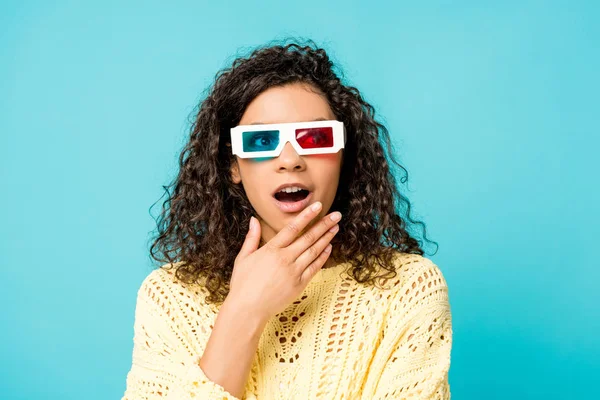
267 280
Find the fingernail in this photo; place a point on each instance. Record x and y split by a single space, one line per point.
251 223
336 216
334 228
328 248
316 206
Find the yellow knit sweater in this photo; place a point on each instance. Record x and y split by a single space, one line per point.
338 340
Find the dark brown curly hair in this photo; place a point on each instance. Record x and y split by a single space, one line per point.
205 218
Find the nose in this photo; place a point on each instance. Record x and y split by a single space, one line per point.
289 159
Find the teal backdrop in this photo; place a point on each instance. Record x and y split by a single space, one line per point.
493 109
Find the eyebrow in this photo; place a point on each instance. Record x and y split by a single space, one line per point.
263 123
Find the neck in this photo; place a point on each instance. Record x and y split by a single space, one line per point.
330 263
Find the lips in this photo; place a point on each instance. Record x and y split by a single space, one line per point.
296 184
294 207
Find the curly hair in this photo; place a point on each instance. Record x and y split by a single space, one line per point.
205 218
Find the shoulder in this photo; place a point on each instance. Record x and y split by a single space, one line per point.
157 282
418 285
161 288
414 270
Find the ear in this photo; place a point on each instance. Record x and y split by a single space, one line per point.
235 172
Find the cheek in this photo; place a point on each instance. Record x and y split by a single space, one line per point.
326 168
327 159
331 162
252 173
249 168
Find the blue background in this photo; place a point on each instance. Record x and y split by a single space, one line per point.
493 108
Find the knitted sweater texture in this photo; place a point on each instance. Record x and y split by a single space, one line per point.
339 340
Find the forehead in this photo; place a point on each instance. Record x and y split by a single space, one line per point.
290 103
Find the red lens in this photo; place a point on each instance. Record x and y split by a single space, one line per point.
315 138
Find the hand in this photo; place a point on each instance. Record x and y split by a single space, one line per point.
267 280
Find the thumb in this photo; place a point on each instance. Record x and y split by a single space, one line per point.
252 239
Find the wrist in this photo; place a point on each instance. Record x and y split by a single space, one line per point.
235 310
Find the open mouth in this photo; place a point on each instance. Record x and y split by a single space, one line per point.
291 197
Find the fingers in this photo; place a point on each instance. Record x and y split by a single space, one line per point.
289 233
312 236
314 251
252 239
314 267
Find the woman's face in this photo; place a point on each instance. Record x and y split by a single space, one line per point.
261 177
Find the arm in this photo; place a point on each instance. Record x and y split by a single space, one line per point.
164 364
413 359
231 348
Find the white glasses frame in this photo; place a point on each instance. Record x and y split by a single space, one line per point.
287 133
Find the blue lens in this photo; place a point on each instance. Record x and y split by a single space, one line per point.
260 140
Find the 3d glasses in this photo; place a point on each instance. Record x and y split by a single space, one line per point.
267 140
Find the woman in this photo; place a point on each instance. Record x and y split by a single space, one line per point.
261 296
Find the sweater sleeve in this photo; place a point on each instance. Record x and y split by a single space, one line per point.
163 364
413 360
